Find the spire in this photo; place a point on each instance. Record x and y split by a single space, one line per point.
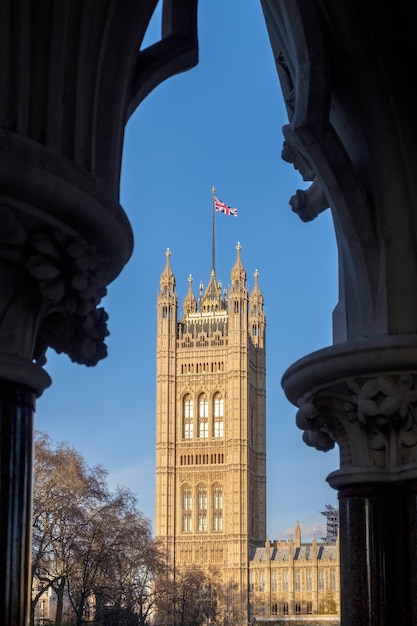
256 300
212 299
190 303
238 274
167 280
298 535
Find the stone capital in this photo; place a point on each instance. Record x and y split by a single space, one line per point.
363 397
72 79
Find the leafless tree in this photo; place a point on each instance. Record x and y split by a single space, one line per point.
93 545
190 599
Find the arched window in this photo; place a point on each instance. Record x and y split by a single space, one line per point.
218 416
187 507
309 581
203 417
217 508
202 508
188 417
297 581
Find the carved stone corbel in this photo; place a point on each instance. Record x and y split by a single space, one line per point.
364 398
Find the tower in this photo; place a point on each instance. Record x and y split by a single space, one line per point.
210 429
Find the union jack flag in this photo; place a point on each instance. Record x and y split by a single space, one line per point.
221 207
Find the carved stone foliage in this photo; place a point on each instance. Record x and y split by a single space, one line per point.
69 278
73 74
374 421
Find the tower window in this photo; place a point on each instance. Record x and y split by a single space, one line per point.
217 508
202 508
187 502
218 416
203 417
188 417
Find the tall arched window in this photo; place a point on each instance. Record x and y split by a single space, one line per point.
203 417
202 508
332 580
218 416
187 507
217 507
188 417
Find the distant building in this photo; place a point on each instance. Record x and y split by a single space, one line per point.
211 455
291 578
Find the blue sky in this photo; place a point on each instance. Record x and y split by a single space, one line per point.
218 124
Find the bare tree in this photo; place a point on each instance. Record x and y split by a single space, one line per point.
92 545
190 599
64 489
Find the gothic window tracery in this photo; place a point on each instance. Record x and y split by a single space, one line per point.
218 416
217 507
187 502
203 417
188 417
202 508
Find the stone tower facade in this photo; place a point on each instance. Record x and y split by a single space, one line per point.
210 430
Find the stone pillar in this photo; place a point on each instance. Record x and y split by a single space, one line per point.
72 74
346 70
376 553
364 398
16 445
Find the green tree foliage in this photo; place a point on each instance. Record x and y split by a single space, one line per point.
91 546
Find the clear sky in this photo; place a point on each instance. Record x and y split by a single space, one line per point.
218 124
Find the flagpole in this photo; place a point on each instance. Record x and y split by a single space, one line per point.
213 191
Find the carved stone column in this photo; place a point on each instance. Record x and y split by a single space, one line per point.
363 396
72 73
346 69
